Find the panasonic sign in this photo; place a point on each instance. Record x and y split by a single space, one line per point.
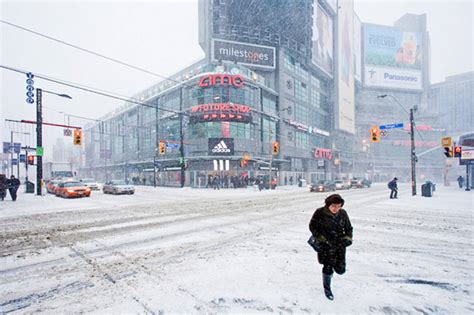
243 53
392 78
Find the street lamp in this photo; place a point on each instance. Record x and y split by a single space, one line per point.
39 134
412 138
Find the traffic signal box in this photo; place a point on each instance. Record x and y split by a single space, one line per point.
448 151
77 139
243 163
161 148
375 134
31 160
457 151
276 147
447 144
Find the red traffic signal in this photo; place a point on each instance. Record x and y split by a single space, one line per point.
31 160
276 147
457 151
243 163
375 134
77 138
161 148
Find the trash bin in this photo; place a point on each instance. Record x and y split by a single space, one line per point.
426 190
303 183
30 187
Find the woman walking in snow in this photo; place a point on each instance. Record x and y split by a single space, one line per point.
332 229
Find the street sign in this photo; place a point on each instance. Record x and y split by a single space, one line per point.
39 151
29 88
446 141
16 147
22 158
67 132
391 126
14 161
6 147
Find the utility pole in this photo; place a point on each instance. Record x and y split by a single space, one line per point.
413 154
11 153
39 140
181 137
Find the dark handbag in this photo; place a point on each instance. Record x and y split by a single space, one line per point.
314 244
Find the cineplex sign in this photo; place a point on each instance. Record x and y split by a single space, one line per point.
221 112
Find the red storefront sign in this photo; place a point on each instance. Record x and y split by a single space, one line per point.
221 112
221 107
221 79
321 153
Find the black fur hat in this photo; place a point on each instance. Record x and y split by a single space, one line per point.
334 199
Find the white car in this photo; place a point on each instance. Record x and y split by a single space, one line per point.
91 183
340 184
117 187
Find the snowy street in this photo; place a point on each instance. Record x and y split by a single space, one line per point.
168 250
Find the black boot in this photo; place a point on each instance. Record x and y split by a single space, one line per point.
327 286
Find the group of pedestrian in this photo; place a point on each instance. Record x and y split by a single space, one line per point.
11 184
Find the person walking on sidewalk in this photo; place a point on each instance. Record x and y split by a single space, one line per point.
460 181
392 185
13 184
332 229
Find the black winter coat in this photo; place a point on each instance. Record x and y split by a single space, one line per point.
334 231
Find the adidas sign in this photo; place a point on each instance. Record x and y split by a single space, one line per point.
221 147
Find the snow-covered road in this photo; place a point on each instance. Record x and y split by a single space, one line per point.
170 250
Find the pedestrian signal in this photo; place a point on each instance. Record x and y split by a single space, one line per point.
276 147
457 151
77 139
243 163
448 151
31 160
161 148
375 134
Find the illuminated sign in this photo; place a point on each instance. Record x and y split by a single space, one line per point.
221 112
221 79
321 153
243 53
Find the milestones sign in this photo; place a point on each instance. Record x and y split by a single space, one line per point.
243 53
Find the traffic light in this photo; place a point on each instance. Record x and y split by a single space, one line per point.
457 151
161 148
77 139
31 160
243 163
276 147
448 151
375 134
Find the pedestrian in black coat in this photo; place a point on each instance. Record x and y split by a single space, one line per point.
332 229
392 185
13 184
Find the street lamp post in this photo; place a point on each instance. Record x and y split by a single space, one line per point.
39 134
413 157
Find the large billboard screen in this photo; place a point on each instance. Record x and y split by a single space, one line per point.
322 50
357 48
346 67
392 57
242 53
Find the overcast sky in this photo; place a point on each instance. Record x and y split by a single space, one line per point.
160 36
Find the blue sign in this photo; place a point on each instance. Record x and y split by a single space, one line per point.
6 147
30 75
14 161
391 126
17 147
22 158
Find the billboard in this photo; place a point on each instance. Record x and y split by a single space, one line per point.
392 57
242 53
322 40
357 48
345 80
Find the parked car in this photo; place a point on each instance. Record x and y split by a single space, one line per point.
360 182
117 187
91 183
322 186
341 184
70 189
52 186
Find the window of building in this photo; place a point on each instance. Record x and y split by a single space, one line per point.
301 140
268 104
268 130
301 91
301 114
289 63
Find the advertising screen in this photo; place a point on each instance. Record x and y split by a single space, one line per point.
392 57
357 48
322 50
346 67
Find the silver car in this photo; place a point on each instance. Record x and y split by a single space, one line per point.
91 183
118 187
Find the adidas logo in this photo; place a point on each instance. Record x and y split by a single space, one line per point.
221 147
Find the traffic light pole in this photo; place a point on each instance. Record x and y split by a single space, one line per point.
39 139
467 178
413 154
